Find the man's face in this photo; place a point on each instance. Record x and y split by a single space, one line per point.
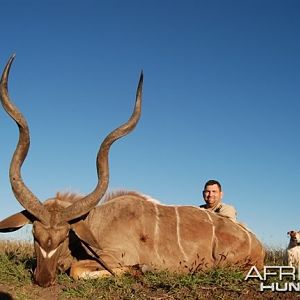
212 195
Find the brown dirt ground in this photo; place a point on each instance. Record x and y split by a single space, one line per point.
33 292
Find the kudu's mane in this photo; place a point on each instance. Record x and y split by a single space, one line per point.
119 193
70 197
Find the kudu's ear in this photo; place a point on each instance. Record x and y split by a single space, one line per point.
84 234
16 221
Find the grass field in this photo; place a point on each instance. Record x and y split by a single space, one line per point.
17 262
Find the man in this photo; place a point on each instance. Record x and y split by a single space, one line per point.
212 195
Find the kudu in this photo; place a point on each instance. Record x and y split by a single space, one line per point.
128 229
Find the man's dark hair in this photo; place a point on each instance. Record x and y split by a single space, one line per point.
211 182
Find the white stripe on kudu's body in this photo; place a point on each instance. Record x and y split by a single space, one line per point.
156 230
178 234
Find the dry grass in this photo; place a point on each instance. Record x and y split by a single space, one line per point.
18 248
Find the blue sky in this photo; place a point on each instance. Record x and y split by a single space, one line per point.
221 100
